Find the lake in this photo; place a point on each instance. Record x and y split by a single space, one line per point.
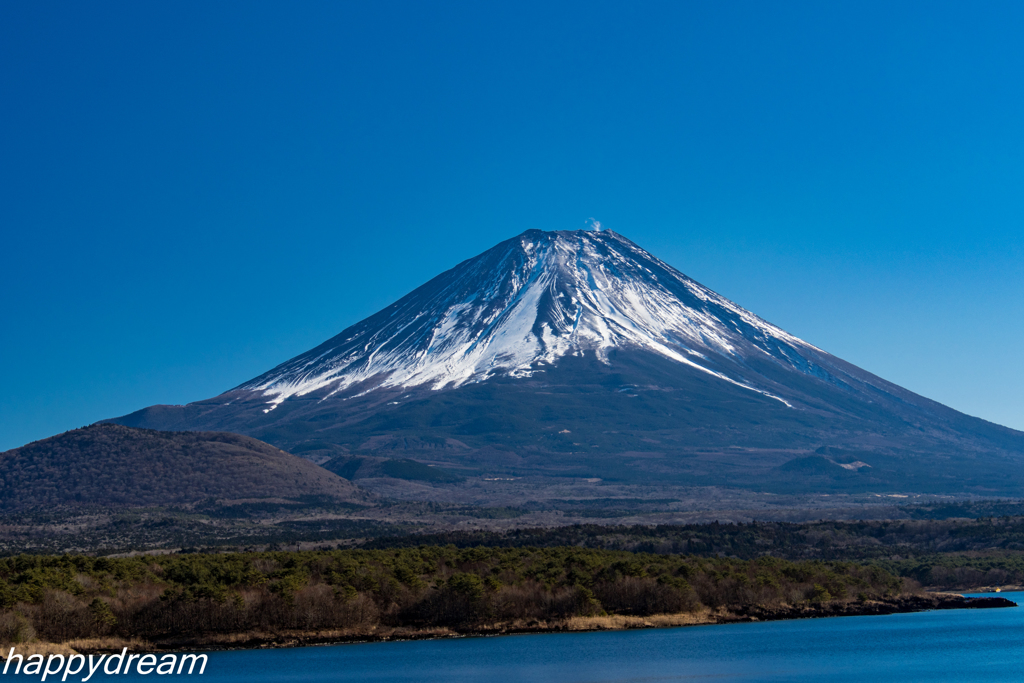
951 645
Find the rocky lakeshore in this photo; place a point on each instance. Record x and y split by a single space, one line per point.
895 605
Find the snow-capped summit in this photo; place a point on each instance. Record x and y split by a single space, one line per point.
528 302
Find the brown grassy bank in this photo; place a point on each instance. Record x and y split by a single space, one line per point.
257 639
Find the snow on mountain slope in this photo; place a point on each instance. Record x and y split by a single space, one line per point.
530 301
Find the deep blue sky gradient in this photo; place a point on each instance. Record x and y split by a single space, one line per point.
191 193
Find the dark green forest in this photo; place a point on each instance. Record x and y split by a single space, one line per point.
59 598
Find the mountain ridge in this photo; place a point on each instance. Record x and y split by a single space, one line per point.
579 354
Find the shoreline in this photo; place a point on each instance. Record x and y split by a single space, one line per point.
258 640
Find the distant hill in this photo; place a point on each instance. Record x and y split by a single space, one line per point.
396 468
118 466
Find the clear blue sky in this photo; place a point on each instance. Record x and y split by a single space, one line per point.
191 193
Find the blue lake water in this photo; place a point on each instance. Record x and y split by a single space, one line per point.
951 645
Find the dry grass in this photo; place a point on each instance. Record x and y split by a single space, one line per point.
36 648
616 622
109 644
293 637
79 645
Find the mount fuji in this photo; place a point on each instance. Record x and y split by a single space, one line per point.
579 354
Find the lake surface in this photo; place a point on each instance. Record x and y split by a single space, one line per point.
951 645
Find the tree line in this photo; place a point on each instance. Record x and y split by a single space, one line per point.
58 598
